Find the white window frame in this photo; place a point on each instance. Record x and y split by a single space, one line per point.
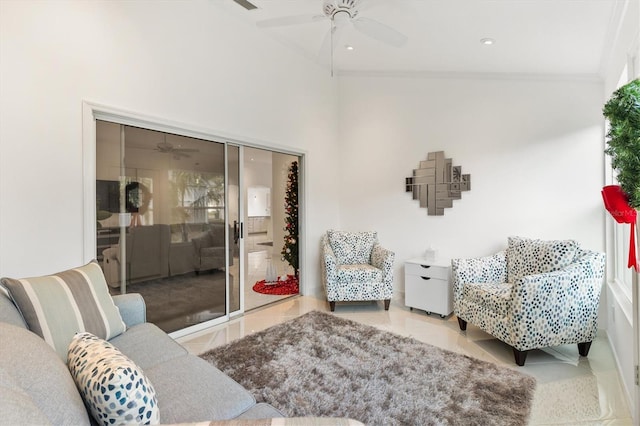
618 234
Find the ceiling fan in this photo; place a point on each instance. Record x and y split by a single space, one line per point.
167 148
342 14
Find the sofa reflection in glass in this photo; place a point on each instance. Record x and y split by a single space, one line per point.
160 251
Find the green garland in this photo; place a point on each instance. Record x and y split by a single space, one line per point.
623 138
290 249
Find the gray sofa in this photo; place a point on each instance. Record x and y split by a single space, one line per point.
37 388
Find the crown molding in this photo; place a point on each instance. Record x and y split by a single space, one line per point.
455 75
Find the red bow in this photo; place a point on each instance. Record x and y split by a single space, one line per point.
617 203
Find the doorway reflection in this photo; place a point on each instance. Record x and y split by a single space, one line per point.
264 189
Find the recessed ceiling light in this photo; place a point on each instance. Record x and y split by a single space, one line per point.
487 41
348 47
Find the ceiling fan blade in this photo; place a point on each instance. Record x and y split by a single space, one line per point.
379 31
246 4
185 150
290 20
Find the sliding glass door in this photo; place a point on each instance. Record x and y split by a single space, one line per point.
163 228
203 230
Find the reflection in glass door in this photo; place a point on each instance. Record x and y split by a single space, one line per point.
162 222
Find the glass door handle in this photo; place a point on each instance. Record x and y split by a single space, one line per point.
236 231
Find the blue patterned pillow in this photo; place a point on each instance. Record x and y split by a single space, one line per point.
113 387
352 248
529 257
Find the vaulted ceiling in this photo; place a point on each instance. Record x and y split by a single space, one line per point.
546 37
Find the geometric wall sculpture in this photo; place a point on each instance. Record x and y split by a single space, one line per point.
436 183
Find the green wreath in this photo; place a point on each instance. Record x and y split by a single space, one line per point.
623 138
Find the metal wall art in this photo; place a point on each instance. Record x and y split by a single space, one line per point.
436 183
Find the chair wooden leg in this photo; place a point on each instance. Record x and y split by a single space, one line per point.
520 356
583 348
332 306
386 304
462 323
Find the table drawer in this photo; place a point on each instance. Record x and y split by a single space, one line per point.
426 271
433 295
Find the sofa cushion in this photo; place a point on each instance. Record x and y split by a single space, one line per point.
352 247
191 390
147 345
33 366
202 241
212 252
217 234
9 313
359 273
16 406
494 297
261 410
132 308
55 307
113 387
529 257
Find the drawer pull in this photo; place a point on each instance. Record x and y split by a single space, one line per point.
426 266
426 278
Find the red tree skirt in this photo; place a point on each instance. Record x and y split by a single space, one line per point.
281 288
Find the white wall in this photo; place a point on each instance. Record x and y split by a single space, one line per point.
534 150
187 62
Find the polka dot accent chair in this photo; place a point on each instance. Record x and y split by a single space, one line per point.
533 295
356 268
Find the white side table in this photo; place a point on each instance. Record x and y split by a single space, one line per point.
427 286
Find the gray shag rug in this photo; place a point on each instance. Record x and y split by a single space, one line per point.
322 365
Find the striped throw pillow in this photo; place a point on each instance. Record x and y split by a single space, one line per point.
58 306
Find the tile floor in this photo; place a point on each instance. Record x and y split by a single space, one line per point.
257 257
571 390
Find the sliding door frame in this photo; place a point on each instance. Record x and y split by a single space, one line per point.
93 111
241 207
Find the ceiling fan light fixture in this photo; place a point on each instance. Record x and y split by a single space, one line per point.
341 17
487 41
348 47
334 8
